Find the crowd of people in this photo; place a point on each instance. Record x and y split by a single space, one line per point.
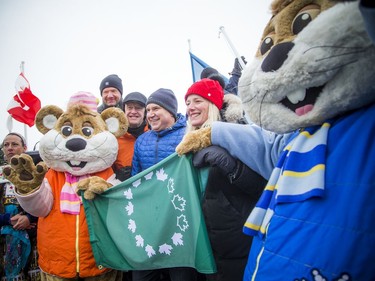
155 129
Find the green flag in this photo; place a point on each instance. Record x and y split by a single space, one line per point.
152 220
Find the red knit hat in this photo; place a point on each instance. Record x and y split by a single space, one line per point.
208 89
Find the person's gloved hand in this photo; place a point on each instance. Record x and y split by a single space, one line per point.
123 173
237 69
216 156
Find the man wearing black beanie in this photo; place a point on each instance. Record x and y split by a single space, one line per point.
167 130
111 92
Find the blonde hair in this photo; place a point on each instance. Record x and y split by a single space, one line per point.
213 115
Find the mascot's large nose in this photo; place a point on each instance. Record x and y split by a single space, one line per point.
277 56
76 144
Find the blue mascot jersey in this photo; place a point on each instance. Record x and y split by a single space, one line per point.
332 236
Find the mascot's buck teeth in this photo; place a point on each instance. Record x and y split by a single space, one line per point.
76 165
297 96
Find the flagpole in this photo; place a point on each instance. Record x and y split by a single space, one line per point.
240 60
22 68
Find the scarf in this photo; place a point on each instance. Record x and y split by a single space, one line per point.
298 176
136 132
70 202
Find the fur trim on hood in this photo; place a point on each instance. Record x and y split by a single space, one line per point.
232 111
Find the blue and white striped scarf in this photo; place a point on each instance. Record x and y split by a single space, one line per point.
298 175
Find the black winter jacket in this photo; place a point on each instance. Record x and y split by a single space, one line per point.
226 207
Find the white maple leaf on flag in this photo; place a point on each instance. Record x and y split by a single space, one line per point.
170 186
150 251
128 194
161 175
132 226
136 183
129 208
177 239
179 203
182 222
139 241
165 249
149 175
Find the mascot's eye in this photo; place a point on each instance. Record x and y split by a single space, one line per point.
266 45
304 17
300 22
87 131
66 130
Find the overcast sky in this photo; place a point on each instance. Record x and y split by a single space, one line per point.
71 45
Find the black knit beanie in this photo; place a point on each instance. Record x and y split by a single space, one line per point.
166 99
111 81
218 78
135 97
208 71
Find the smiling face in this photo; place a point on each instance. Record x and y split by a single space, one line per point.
314 63
197 110
158 117
111 96
135 113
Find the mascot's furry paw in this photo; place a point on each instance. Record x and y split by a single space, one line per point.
194 141
22 172
92 186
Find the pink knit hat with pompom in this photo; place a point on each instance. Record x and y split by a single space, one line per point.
85 98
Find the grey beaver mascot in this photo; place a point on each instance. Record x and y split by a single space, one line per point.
310 92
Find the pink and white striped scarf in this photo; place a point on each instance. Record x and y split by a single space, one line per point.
70 202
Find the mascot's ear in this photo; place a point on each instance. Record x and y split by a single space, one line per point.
116 121
46 118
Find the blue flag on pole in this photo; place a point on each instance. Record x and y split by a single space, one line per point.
152 220
197 66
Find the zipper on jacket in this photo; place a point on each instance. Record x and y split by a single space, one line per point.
257 264
156 160
260 255
77 243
